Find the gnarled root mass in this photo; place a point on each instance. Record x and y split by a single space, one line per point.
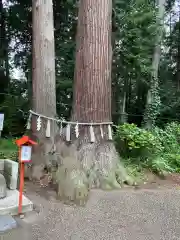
94 165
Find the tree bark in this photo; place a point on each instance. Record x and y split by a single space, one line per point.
4 61
178 55
92 87
123 116
43 79
89 165
153 99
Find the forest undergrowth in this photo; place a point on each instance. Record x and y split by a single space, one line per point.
140 150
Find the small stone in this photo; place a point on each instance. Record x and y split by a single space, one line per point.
36 208
21 216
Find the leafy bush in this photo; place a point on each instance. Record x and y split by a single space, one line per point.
160 165
169 137
135 142
8 149
158 150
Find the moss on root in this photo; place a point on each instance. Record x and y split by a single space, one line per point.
72 185
92 166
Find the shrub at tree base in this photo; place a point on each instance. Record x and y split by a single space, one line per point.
157 149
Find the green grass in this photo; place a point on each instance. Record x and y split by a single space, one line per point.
8 144
8 149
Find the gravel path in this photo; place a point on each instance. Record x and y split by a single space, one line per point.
125 214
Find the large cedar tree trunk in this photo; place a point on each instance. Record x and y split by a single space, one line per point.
89 165
153 98
178 56
4 61
43 80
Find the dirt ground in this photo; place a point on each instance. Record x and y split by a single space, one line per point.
154 182
149 212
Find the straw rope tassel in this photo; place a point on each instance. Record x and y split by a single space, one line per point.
101 131
68 133
77 130
29 122
110 132
61 129
48 129
92 136
38 123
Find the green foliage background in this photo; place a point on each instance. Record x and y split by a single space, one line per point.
157 149
134 30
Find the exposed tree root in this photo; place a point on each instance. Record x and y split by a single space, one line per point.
94 165
42 160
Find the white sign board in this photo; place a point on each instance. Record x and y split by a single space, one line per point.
26 153
1 121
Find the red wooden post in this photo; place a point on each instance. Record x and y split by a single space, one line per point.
21 186
24 141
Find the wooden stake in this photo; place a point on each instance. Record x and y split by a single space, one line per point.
21 185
